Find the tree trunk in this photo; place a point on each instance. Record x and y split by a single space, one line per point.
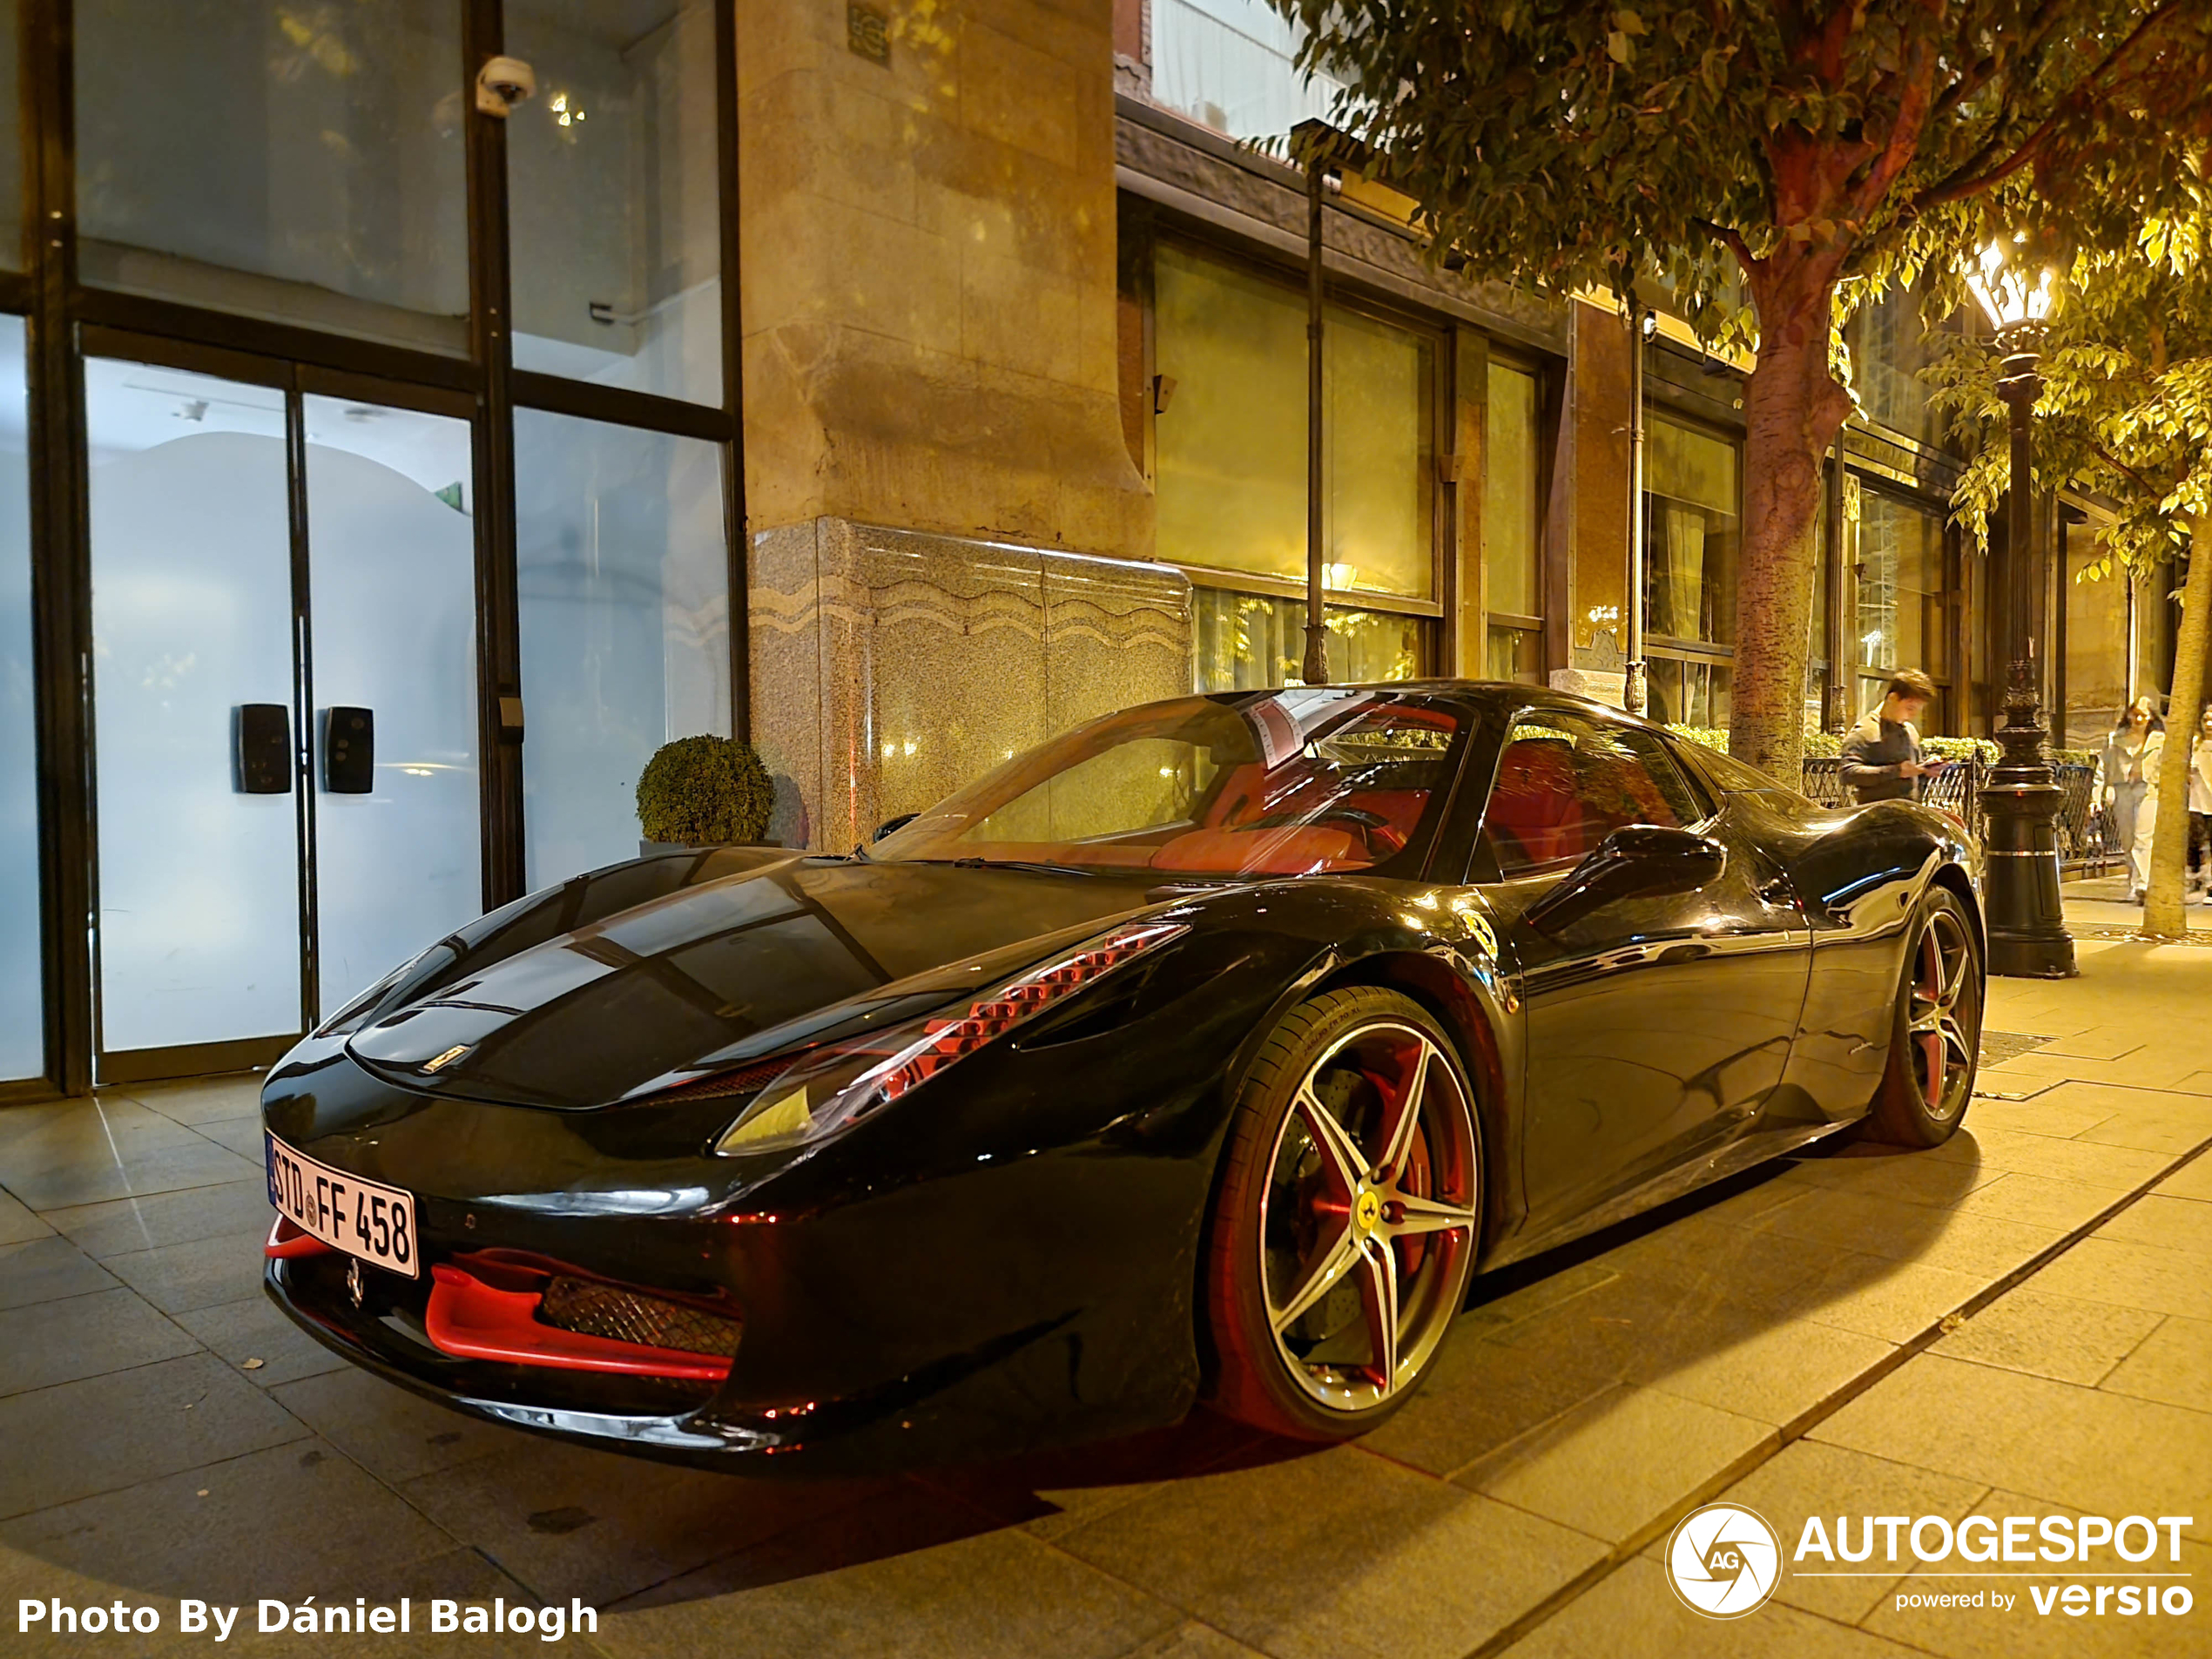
2165 896
1792 411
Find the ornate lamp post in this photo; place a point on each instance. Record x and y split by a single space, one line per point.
2027 936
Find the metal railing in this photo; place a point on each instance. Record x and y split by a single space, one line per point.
2084 840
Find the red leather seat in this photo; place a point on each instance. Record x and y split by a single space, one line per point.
1535 814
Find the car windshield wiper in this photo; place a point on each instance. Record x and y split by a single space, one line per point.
1036 866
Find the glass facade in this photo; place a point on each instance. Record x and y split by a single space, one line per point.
1693 506
192 628
22 969
272 350
1888 351
1511 511
625 609
1230 63
1900 561
615 216
325 186
1232 441
1251 642
392 601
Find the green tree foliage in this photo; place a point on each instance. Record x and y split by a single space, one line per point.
1564 144
2125 414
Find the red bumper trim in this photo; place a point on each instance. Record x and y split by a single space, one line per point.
473 1320
287 1241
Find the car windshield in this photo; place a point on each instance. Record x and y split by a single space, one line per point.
1297 782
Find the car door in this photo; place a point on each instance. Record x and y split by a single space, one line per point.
1656 1026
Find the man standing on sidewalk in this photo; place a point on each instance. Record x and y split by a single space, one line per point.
1881 757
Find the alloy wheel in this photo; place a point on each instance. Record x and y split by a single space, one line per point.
1368 1217
1942 1022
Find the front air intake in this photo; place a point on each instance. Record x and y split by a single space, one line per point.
594 1309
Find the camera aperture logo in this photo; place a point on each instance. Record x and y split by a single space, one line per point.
1723 1560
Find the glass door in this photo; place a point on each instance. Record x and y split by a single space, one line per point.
284 684
193 679
392 581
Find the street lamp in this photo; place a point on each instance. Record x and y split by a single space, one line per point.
2027 936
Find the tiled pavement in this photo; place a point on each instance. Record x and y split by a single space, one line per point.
163 1433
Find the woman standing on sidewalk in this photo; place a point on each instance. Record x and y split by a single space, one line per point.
2127 774
2200 806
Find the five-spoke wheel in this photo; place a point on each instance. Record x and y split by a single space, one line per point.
1937 1042
1349 1214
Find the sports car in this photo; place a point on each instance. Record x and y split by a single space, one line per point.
1204 1053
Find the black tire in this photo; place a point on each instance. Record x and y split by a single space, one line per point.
1300 1259
1935 1034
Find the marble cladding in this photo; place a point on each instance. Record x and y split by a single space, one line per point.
892 667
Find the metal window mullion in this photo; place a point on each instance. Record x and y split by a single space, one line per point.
735 525
61 592
304 743
498 611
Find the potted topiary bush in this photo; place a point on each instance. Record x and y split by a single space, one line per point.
703 792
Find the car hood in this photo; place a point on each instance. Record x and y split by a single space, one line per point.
753 964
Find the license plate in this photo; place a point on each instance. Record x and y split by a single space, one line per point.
376 1224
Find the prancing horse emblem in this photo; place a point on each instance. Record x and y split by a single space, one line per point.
353 1286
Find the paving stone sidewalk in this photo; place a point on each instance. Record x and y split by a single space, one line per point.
163 1433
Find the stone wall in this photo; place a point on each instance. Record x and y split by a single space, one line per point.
891 667
929 271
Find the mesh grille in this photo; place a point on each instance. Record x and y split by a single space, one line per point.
596 1310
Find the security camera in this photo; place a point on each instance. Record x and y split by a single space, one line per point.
503 83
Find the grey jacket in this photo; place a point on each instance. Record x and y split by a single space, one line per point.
1872 753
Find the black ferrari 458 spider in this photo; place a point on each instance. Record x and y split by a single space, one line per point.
1202 1053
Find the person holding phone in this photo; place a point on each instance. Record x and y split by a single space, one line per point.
1881 756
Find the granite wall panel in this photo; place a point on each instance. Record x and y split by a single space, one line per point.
892 667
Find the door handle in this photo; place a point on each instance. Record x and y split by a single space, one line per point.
262 748
348 751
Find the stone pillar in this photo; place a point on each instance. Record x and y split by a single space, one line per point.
1589 508
928 264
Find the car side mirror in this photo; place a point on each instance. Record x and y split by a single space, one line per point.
1637 862
892 824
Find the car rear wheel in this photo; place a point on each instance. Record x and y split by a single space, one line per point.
1936 1042
1344 1230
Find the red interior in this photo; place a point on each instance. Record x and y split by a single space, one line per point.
1534 816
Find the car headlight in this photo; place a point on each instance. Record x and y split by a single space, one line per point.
830 1089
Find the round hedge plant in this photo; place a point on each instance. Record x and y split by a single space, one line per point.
698 792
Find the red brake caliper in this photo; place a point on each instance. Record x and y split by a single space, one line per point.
1931 1043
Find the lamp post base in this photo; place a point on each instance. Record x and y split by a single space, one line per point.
2020 804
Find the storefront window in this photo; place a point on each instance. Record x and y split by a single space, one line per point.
22 979
1692 507
1887 353
614 200
298 163
625 615
1512 516
1900 557
1231 64
1689 691
1514 654
1230 444
1252 642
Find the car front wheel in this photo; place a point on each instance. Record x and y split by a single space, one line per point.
1346 1222
1935 1042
